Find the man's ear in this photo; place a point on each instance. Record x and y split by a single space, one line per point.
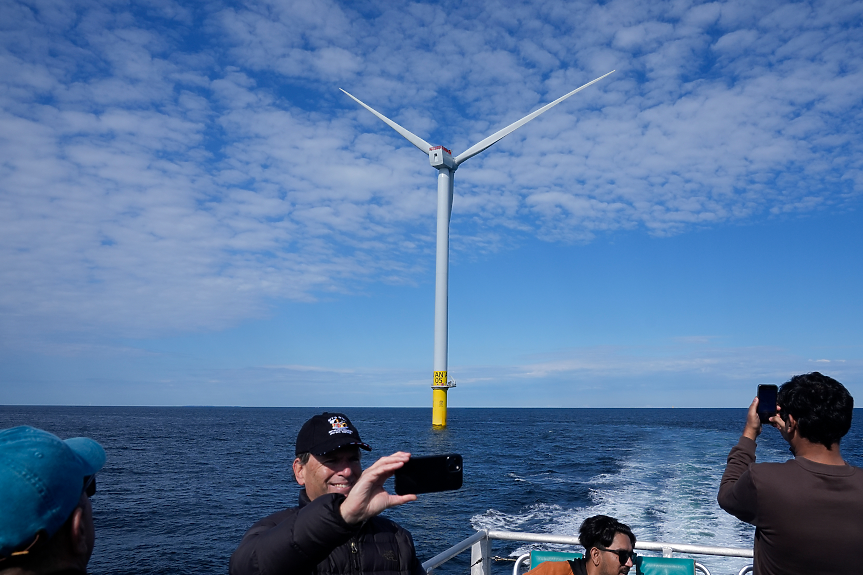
78 534
299 472
595 556
790 423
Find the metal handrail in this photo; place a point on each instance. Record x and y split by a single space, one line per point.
667 549
519 561
441 558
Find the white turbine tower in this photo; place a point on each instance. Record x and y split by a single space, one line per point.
446 165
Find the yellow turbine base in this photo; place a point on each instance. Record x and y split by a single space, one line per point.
439 407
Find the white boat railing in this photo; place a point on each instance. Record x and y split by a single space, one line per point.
480 549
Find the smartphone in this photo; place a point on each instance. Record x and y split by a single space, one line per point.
429 473
767 402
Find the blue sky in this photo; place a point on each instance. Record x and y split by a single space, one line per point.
192 213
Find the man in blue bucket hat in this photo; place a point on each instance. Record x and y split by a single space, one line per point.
46 524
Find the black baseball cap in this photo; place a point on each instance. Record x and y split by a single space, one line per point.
327 432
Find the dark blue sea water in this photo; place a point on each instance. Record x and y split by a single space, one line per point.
181 485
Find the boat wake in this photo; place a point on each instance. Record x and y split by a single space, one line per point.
665 490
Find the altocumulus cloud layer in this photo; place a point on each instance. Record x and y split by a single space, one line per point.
170 166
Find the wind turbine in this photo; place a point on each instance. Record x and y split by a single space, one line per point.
446 165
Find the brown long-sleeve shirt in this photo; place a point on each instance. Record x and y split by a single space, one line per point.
808 516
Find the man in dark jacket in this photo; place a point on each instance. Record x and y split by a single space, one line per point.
335 529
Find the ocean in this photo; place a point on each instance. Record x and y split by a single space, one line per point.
182 484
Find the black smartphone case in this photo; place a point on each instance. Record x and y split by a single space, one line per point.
429 474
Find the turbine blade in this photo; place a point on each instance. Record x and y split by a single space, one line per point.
409 136
488 142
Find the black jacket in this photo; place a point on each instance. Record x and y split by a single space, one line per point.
313 538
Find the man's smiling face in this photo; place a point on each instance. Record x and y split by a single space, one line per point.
333 472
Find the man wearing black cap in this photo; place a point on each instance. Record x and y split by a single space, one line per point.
335 529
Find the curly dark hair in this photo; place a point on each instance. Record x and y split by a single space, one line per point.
821 405
599 531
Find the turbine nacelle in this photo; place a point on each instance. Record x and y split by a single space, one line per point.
445 159
440 157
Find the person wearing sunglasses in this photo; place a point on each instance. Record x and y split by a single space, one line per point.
46 524
608 550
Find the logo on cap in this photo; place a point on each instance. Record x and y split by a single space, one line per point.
339 425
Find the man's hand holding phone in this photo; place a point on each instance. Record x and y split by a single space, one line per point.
413 475
762 410
368 496
753 421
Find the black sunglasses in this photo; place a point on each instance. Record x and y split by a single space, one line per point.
622 555
90 485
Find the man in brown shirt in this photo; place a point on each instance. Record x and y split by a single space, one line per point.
808 511
608 545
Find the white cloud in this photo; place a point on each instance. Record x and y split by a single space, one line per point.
160 175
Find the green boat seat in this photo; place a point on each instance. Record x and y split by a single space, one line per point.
537 557
664 566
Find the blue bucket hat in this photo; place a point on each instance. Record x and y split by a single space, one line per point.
41 481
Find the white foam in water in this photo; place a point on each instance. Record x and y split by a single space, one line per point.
516 477
533 515
665 491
